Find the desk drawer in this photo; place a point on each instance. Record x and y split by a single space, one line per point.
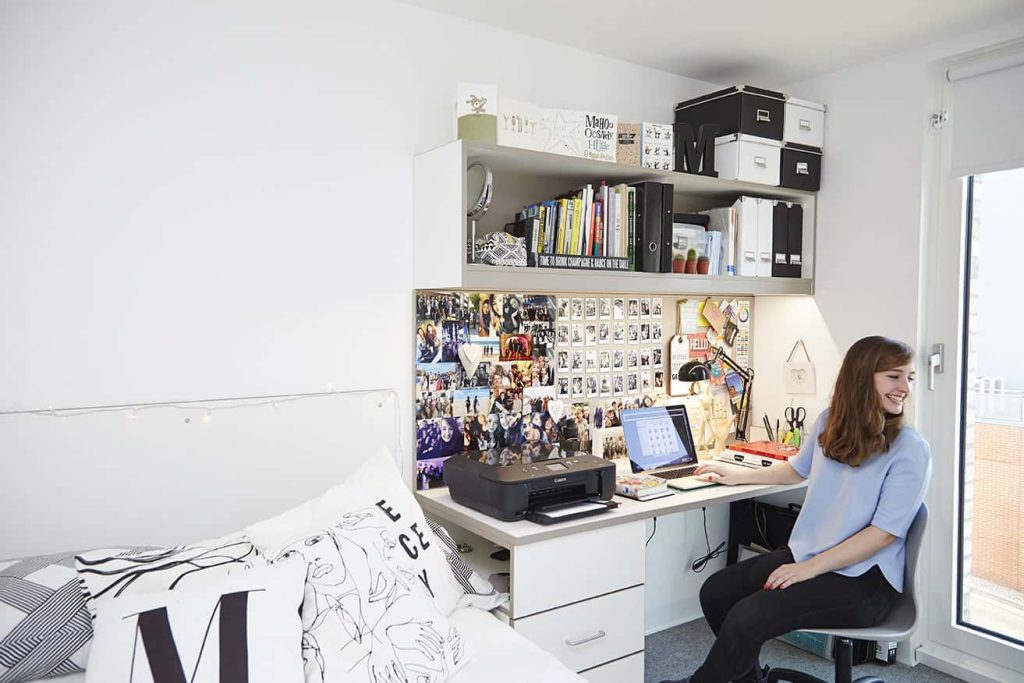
590 633
576 567
626 670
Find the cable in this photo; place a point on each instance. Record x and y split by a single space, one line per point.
701 562
654 531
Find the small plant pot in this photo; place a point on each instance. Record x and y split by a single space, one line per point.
678 265
703 267
691 267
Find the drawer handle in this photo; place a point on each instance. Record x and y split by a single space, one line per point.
577 643
761 161
801 168
764 115
805 124
749 256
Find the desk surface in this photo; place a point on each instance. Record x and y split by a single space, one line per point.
439 503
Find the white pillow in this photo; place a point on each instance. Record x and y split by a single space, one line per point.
105 574
377 579
378 485
244 627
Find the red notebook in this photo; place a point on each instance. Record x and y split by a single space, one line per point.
768 449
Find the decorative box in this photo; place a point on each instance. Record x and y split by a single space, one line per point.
501 249
748 158
805 123
800 167
740 109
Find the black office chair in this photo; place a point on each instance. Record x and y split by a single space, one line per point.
897 626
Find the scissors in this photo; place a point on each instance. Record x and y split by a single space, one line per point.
795 417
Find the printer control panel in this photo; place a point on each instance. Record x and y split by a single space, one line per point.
545 469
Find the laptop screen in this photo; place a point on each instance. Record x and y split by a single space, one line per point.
658 437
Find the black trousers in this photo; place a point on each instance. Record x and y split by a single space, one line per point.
743 615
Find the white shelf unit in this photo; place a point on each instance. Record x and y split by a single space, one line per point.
522 177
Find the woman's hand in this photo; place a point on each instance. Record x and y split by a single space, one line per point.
721 473
788 574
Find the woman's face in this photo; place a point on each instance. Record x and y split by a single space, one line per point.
446 431
893 387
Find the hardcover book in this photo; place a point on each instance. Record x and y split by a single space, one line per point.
641 486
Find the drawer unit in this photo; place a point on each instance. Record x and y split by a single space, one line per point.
801 167
576 567
590 633
626 670
741 109
805 123
748 158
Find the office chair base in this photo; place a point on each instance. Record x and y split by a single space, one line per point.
791 676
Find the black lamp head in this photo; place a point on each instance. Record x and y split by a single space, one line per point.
694 371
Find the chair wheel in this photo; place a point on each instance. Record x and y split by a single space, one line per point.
791 676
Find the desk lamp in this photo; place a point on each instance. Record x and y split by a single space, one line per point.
698 371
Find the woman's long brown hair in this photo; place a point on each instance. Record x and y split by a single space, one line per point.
858 426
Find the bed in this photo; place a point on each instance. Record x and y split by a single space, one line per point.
500 654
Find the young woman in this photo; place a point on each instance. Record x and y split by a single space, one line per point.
867 475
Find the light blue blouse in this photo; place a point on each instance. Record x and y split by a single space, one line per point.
885 491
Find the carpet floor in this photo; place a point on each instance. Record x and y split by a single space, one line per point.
678 651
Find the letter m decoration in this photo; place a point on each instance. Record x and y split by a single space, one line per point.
696 156
162 651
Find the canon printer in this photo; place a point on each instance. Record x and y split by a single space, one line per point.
539 482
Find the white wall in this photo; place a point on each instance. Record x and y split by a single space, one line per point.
867 249
868 266
214 199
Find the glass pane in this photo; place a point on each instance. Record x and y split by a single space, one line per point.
992 528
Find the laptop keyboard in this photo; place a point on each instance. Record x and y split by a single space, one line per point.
675 473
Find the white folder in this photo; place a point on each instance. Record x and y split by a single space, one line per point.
746 249
764 237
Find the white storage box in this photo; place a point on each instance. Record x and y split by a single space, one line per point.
748 158
805 123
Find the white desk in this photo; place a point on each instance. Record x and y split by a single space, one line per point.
577 587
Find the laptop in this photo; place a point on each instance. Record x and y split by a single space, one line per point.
659 442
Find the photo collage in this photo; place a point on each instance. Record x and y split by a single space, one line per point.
497 370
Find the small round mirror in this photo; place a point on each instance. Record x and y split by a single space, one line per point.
479 183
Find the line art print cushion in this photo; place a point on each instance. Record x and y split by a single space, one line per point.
377 485
371 609
105 574
243 628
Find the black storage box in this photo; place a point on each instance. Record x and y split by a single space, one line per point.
801 167
740 109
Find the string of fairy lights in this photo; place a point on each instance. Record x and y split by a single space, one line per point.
203 410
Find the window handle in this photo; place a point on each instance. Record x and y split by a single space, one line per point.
935 364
